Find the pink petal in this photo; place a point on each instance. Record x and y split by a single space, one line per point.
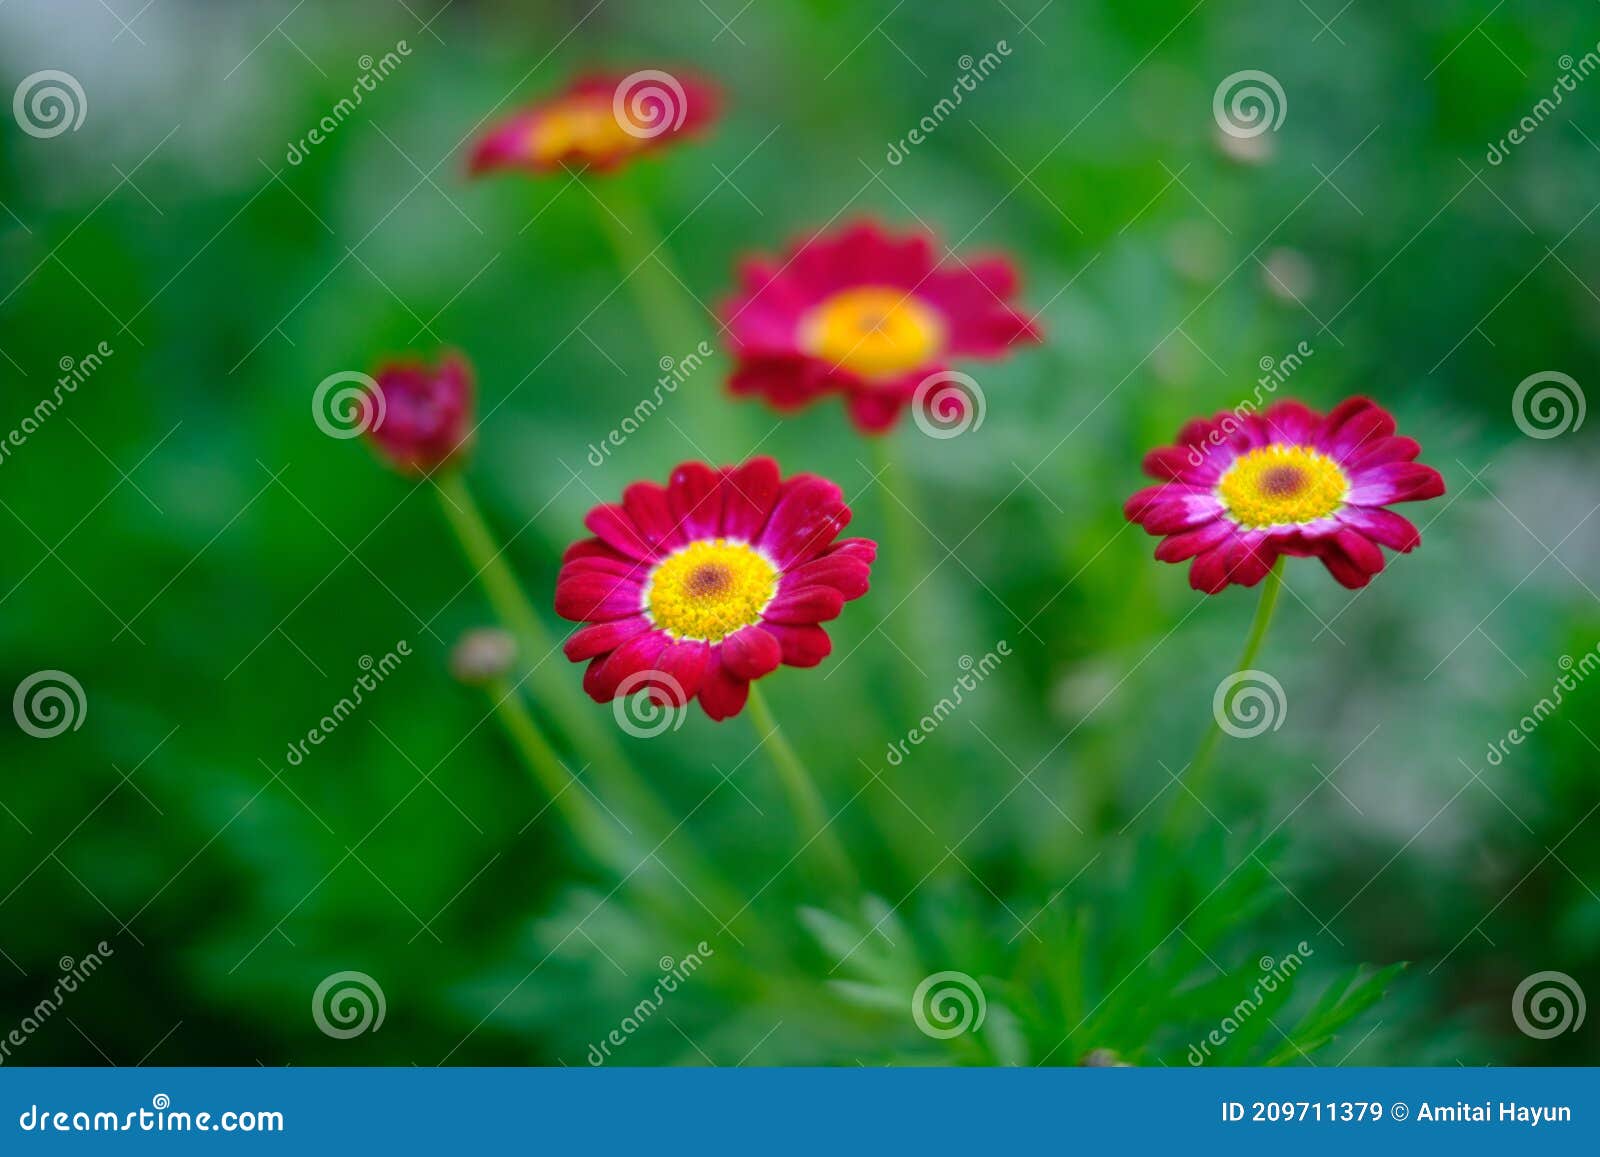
602 637
1360 550
596 597
809 515
1395 482
751 653
1183 546
805 605
682 665
722 694
696 500
1382 526
646 505
748 495
607 672
849 576
617 530
874 411
802 646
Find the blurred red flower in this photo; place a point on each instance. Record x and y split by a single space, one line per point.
600 121
420 416
872 316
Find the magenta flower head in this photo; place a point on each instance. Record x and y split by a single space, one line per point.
419 416
599 122
872 316
693 589
1239 491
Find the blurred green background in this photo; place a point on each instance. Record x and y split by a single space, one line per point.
183 540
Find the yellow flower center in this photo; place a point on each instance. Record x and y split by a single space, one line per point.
874 331
1282 485
709 589
583 126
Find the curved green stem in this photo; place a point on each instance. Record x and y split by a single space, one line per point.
905 557
815 824
560 695
674 326
589 827
500 583
1194 774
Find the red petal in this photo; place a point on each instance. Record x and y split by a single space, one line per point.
748 496
802 646
751 653
602 637
722 694
805 605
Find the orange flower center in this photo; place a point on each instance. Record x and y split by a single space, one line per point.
873 331
1282 485
584 126
710 589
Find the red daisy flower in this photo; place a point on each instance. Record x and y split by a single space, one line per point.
1241 491
420 417
870 315
698 587
598 122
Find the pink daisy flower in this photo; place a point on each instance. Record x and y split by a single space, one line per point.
872 316
420 416
599 122
1239 492
693 589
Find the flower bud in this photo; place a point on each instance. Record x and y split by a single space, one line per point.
1103 1059
423 414
483 655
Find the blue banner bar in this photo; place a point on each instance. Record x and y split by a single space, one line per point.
1303 1111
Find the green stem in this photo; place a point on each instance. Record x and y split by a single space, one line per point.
500 583
569 797
675 327
1194 775
560 696
606 840
803 795
905 559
